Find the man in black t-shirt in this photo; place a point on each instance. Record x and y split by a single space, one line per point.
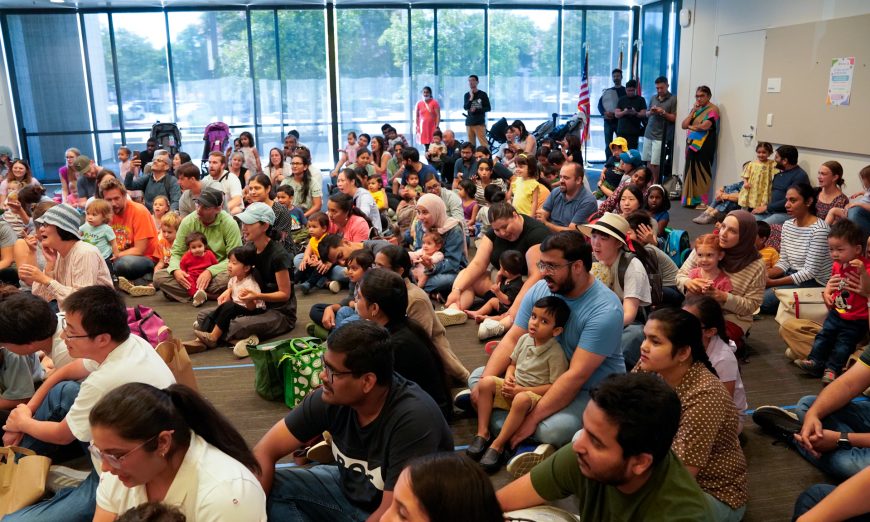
476 105
378 422
630 111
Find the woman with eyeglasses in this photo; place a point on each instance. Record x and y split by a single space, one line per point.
172 446
67 175
702 126
307 185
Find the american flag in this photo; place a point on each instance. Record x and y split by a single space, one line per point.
583 104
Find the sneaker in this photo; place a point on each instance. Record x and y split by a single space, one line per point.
305 288
462 400
828 376
194 346
142 290
489 328
205 338
491 460
777 422
315 330
60 477
334 287
523 462
196 325
124 284
240 349
199 298
321 452
490 347
810 366
477 448
702 206
451 316
791 355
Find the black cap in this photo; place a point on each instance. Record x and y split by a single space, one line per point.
211 198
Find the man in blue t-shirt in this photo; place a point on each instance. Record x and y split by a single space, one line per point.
570 204
591 341
411 157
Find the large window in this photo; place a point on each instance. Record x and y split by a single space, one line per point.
461 51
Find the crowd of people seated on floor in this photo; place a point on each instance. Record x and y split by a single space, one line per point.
615 377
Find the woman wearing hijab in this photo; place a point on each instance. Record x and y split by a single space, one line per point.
745 268
432 217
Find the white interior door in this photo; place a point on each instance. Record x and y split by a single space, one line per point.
736 91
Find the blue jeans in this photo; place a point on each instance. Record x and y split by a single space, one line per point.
854 417
54 408
725 207
441 283
770 303
70 505
772 218
311 495
134 267
345 314
557 429
836 341
632 337
860 217
722 512
815 494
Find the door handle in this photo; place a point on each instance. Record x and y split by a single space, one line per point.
748 136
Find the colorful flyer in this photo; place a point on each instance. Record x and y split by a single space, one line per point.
840 83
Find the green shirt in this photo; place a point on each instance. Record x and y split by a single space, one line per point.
670 494
223 235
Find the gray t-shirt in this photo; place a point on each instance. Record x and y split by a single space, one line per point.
7 235
636 283
17 375
655 124
315 190
538 365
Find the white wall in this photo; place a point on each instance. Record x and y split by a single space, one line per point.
8 131
697 65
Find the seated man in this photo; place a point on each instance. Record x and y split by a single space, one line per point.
620 466
591 342
222 234
135 233
570 204
829 430
378 422
826 503
220 179
96 332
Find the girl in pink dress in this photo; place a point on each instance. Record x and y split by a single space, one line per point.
708 254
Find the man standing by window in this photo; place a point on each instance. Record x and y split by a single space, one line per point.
476 103
607 104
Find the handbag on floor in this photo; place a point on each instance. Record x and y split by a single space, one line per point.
146 323
801 303
302 365
22 482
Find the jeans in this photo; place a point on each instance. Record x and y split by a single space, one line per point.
722 512
609 130
632 337
860 217
343 315
770 303
134 267
311 495
854 417
54 408
772 218
836 341
724 207
441 283
70 505
815 494
557 429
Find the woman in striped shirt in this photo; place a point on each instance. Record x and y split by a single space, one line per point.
804 257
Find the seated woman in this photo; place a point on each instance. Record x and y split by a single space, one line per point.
150 452
70 262
383 299
737 235
259 189
350 222
706 442
640 177
307 185
432 216
422 494
805 260
608 238
350 183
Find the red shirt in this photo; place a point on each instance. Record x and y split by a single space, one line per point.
196 265
850 306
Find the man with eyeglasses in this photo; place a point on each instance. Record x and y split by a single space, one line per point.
450 198
378 422
106 355
591 342
158 183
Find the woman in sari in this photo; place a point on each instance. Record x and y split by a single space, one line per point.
702 126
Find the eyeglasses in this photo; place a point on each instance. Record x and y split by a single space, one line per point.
549 267
112 460
65 328
330 371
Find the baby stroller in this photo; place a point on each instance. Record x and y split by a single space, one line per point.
168 137
496 135
215 139
543 130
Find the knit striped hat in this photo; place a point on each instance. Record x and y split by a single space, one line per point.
64 217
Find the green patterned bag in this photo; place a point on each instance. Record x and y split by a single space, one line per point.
268 378
302 367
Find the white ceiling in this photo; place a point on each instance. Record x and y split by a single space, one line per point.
110 4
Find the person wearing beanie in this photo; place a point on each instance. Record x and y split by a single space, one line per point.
70 263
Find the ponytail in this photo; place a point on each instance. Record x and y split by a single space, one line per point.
683 330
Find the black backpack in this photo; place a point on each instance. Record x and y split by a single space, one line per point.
652 271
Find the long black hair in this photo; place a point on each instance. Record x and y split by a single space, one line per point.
709 313
139 412
399 258
683 329
345 204
466 495
306 174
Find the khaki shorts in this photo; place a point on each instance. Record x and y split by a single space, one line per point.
652 151
501 403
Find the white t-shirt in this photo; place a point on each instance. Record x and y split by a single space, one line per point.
59 352
722 358
134 360
209 486
228 183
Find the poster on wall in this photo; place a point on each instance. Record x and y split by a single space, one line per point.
840 82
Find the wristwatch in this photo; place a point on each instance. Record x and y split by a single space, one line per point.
843 442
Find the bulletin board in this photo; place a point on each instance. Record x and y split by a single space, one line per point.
801 57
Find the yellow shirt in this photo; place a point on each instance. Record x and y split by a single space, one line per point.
380 198
314 242
770 256
523 191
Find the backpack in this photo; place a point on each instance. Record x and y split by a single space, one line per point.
676 245
651 266
216 137
168 137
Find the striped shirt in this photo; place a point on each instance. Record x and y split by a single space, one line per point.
82 266
805 250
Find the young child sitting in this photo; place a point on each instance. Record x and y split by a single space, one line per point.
470 207
437 150
159 208
708 254
12 216
768 254
375 184
327 317
308 273
285 195
240 262
504 291
846 324
96 231
406 211
610 174
431 252
536 362
194 262
508 158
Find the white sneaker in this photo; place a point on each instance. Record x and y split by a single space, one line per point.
60 477
489 328
334 287
124 284
321 452
451 316
199 298
141 290
522 463
240 350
